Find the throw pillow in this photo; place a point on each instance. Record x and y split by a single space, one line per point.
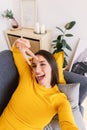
72 93
60 60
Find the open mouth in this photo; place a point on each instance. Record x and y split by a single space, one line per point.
40 78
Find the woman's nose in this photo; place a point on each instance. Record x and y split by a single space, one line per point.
38 69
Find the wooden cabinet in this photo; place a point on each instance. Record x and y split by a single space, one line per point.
37 41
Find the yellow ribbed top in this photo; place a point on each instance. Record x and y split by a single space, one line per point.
32 106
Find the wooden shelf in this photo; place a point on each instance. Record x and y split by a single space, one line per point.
37 41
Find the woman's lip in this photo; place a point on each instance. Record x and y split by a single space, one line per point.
40 77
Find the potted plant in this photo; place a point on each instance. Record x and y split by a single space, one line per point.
9 15
61 43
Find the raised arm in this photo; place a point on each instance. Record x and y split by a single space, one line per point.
21 54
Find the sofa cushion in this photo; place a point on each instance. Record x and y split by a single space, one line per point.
8 78
72 93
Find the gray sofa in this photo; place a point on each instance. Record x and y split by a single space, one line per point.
76 89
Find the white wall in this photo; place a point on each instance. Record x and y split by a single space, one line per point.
58 12
52 13
7 4
3 23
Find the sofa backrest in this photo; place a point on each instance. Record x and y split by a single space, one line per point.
8 78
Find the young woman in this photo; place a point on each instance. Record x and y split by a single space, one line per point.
37 98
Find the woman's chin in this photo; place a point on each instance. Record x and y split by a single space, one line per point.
40 83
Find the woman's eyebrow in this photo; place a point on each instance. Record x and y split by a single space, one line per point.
42 61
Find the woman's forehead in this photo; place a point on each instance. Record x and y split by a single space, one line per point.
39 59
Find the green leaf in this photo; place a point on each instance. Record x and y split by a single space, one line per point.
60 29
59 46
59 37
70 25
54 40
65 62
65 53
8 14
68 35
64 43
68 47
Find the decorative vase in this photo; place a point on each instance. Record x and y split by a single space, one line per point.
14 23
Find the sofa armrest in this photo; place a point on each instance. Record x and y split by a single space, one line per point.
72 77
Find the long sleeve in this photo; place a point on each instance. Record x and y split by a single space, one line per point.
20 62
65 115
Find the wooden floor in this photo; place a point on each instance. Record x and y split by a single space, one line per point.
85 112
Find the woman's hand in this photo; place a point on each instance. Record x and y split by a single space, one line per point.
23 45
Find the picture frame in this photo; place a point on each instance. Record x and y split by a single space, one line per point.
79 62
28 13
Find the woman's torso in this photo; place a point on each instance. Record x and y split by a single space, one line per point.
31 105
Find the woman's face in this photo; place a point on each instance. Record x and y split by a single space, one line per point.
42 71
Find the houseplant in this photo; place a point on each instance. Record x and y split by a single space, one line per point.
61 43
9 15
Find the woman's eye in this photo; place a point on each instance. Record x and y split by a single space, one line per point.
33 66
42 64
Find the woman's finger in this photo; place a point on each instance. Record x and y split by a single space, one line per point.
29 52
26 56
